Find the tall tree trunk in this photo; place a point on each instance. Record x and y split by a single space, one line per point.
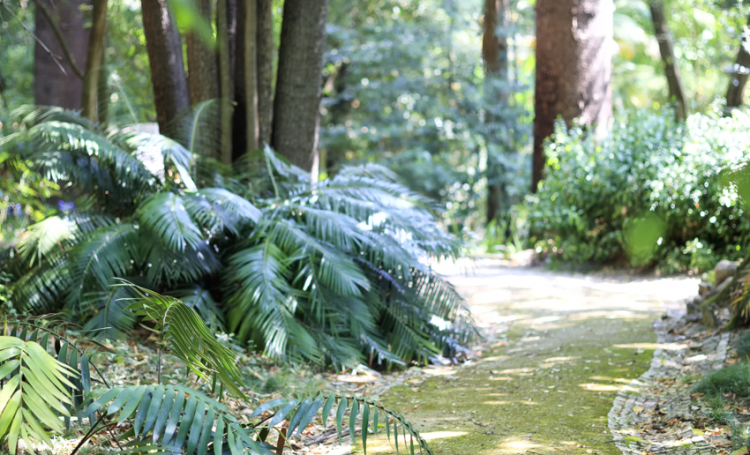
94 60
102 109
574 69
672 71
203 82
245 135
298 83
164 48
225 82
265 55
60 25
739 74
495 55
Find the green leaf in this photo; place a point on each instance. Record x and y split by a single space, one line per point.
365 423
340 416
353 421
327 408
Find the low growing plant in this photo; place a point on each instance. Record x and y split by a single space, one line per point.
335 271
44 377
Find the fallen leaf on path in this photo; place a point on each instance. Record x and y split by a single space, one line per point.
637 409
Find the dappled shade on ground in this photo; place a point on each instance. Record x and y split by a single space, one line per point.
559 348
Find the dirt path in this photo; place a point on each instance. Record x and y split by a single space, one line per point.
558 349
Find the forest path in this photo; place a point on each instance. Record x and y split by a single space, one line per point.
558 348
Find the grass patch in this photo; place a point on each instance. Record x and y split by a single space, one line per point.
743 346
734 379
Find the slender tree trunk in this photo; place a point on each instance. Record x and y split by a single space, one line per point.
52 87
103 90
672 71
203 80
738 76
298 84
495 55
168 77
574 69
245 130
94 60
225 82
265 53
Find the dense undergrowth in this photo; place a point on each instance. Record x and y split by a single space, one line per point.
53 385
654 193
335 271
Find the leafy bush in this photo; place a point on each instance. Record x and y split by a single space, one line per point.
652 191
329 271
45 379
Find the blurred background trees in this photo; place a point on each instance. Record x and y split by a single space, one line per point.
458 98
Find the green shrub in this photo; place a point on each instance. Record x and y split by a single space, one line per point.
329 271
734 379
651 192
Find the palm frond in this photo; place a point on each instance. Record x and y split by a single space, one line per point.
201 300
179 417
127 171
41 288
165 267
197 128
218 209
112 320
36 389
187 336
107 253
161 149
41 238
165 215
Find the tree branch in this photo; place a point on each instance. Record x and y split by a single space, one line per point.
60 39
55 58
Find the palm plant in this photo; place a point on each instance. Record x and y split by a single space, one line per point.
44 376
329 271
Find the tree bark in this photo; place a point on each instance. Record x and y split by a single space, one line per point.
203 82
495 56
164 48
265 53
52 87
298 83
94 61
672 71
225 82
574 69
102 89
245 136
738 76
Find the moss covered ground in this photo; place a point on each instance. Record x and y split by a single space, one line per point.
558 350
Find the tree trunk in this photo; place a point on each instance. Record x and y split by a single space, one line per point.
94 60
225 82
676 89
102 89
265 53
245 135
574 69
298 83
738 77
52 87
168 77
495 56
203 81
